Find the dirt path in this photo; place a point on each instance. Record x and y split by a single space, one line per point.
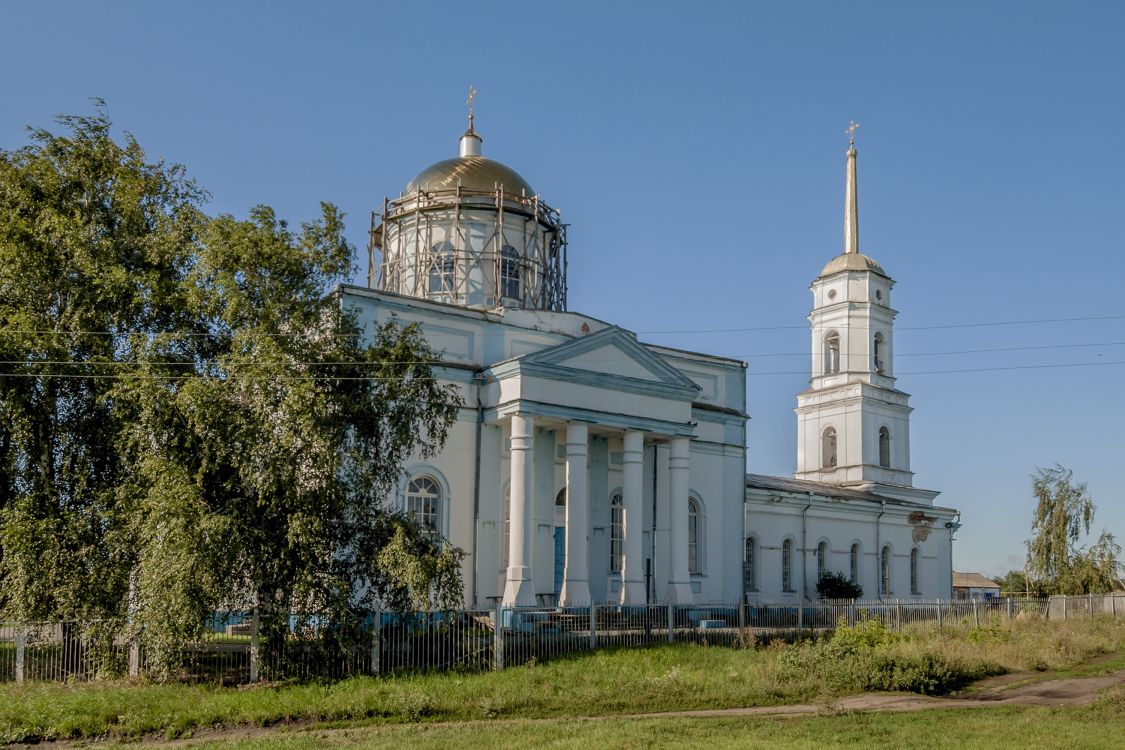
1073 691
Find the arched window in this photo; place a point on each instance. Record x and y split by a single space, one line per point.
787 565
560 499
877 353
821 560
616 533
831 353
884 447
914 571
853 559
694 518
828 449
885 571
442 266
750 565
509 272
423 504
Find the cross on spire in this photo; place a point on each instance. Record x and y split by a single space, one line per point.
469 104
852 127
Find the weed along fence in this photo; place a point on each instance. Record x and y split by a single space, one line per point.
388 643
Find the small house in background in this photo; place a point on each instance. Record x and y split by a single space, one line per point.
974 586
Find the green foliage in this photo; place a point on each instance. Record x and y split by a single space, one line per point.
1064 513
189 420
835 585
604 683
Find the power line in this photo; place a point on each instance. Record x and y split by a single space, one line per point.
967 369
154 376
189 334
438 362
904 328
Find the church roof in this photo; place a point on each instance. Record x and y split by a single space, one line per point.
973 581
852 262
472 173
805 486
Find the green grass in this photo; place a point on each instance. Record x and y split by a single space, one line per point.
604 683
1098 726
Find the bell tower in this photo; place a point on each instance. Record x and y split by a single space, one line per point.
853 424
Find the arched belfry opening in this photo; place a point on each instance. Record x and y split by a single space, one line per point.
470 231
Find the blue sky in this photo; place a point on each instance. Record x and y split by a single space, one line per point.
697 150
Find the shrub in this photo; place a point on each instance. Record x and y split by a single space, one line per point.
834 585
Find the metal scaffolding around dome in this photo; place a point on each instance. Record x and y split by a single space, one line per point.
468 232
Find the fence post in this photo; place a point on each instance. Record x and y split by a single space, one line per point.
898 614
1090 604
976 613
1113 605
1064 607
21 642
939 608
671 622
593 627
800 614
498 638
255 652
741 616
1009 601
377 642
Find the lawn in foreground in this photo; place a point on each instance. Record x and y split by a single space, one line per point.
604 683
1098 726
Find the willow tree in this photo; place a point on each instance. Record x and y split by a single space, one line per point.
189 419
1056 561
264 465
95 242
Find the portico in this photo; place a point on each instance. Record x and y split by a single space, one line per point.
634 399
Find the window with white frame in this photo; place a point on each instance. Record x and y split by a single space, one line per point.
853 559
828 456
509 272
821 560
787 565
885 571
914 571
831 353
884 447
423 504
750 565
694 536
616 533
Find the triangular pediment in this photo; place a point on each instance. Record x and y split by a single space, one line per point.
611 352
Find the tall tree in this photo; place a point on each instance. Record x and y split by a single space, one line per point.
264 465
1064 512
189 419
95 242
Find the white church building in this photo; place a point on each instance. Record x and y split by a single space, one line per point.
586 466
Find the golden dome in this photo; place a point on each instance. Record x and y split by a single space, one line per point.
852 262
473 173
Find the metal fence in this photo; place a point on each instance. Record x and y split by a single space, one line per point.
236 651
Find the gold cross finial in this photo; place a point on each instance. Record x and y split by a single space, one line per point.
852 127
469 104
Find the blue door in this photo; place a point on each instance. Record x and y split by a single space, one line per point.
560 557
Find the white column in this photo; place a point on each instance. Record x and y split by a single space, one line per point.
679 473
576 580
632 566
519 589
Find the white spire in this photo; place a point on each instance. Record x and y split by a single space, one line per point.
851 200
